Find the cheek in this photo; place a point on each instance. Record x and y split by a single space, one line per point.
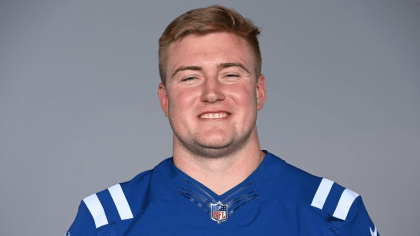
244 96
182 100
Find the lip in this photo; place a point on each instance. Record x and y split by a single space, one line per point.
214 111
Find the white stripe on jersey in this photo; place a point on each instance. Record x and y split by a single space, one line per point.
96 210
346 200
322 193
120 201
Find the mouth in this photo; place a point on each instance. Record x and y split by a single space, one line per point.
214 115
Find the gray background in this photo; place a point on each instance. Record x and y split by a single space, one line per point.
79 110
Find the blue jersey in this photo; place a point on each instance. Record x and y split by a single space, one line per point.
277 199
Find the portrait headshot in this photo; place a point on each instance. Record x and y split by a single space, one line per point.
123 118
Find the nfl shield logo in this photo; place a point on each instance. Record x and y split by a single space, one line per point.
219 212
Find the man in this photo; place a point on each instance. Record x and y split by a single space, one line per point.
218 180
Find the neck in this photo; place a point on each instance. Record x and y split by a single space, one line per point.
223 173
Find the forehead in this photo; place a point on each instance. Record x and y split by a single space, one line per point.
201 50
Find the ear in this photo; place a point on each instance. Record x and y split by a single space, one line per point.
163 97
261 92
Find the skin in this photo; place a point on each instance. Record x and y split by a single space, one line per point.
213 74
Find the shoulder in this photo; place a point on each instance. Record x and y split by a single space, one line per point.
297 187
114 203
120 202
341 208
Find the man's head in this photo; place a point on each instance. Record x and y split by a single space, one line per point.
209 20
212 90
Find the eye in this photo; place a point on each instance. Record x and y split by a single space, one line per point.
231 75
188 79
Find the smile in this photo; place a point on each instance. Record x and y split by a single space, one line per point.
216 115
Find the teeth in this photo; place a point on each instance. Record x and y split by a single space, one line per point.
214 115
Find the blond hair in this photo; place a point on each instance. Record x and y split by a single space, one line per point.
207 20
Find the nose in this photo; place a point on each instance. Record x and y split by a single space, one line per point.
212 91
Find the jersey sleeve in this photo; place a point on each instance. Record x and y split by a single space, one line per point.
358 222
84 224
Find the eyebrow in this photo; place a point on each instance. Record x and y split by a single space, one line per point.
186 68
219 66
230 64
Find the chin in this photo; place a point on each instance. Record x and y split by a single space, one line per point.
216 148
209 148
213 152
214 145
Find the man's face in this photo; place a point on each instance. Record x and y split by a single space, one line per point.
212 94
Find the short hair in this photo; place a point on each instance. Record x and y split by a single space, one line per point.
207 20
